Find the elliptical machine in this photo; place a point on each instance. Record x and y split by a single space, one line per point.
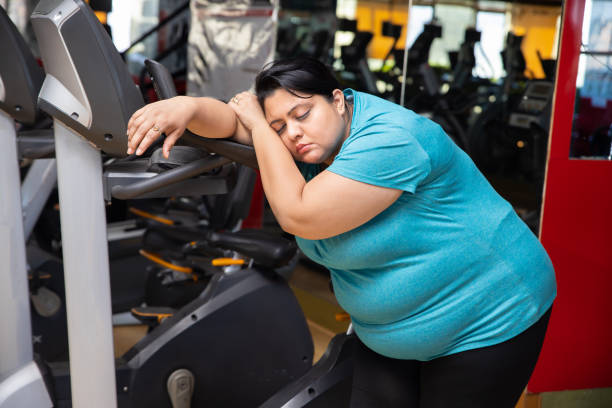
328 383
221 342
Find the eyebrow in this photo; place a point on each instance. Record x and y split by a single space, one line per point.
289 113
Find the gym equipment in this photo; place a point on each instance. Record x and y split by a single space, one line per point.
418 55
513 59
510 134
21 380
90 95
300 36
327 383
356 71
24 78
440 111
465 59
388 75
549 66
393 31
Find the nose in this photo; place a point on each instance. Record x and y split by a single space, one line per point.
294 130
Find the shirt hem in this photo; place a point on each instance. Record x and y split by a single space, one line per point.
512 334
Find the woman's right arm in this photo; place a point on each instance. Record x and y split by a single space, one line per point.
207 117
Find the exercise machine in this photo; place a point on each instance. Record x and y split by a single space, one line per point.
36 153
327 383
21 380
90 95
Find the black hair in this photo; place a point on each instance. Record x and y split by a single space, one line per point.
300 75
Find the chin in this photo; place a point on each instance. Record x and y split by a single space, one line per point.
311 158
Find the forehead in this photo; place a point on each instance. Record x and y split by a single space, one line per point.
280 102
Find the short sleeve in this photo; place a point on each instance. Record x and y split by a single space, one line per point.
383 155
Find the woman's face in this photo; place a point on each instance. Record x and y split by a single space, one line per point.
312 128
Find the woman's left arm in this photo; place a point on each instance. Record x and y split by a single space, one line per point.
327 205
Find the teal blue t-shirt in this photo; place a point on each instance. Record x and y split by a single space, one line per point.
449 266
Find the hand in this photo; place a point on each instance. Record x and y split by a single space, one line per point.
247 108
170 116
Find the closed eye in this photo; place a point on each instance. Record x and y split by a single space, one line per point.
280 130
301 117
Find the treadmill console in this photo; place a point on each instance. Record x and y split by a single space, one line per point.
533 104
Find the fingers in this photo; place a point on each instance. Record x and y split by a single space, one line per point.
232 104
146 133
147 124
138 125
136 115
144 127
171 140
242 96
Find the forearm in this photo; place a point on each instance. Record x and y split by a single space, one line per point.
215 119
211 118
282 181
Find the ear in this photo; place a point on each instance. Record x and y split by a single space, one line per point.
338 101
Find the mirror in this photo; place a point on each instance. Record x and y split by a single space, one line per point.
592 126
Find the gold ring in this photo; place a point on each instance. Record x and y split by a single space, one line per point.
156 128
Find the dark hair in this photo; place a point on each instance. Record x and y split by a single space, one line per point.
303 75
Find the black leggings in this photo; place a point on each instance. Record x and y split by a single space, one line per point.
488 377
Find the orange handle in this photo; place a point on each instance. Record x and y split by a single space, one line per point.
227 261
150 216
155 258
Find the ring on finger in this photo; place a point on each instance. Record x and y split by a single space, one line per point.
155 128
236 100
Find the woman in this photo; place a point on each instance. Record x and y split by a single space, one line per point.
448 291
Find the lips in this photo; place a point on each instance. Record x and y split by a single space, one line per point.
302 147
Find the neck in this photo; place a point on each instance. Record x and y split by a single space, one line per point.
347 131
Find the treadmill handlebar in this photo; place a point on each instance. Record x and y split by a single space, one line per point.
169 177
235 151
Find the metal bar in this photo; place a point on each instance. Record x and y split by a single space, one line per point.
403 92
16 335
602 53
169 177
86 273
35 191
21 383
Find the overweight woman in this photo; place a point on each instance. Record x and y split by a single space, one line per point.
448 290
